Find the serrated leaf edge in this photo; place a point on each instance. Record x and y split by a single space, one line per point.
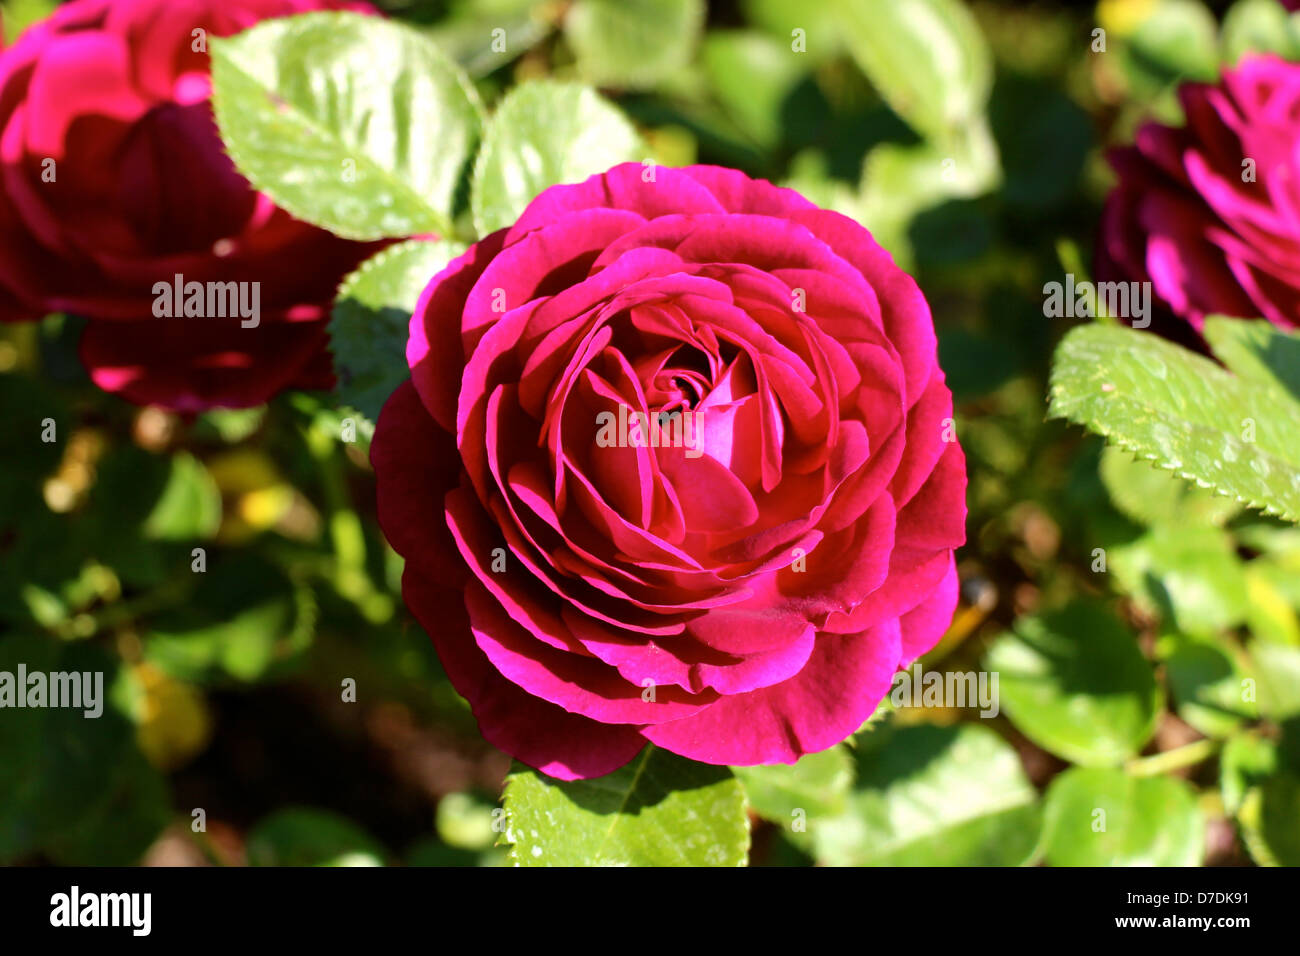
1114 436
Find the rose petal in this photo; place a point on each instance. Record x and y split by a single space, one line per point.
834 693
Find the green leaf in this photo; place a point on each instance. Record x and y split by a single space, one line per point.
20 14
465 822
245 617
1263 795
353 123
1270 613
752 74
1270 819
544 133
974 364
1074 682
1246 761
1044 138
933 796
659 810
371 320
471 36
819 23
1187 572
1207 686
1259 26
120 823
1277 671
1176 40
126 499
633 43
899 182
73 786
230 425
927 58
431 851
1182 412
1151 496
791 795
302 836
26 403
1272 579
1104 817
190 506
1275 539
1259 352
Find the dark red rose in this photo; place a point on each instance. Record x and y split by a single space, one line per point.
114 180
740 590
1209 212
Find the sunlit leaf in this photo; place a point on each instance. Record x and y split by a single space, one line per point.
659 810
933 796
1208 686
354 123
310 837
1074 682
1104 817
1183 413
1189 573
927 58
633 43
371 320
797 796
544 133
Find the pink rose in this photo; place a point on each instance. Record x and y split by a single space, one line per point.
1210 213
738 588
114 180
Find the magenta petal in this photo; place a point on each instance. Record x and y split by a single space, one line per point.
905 312
765 581
925 624
543 263
930 429
712 497
738 193
434 349
84 73
114 92
758 670
415 466
581 685
192 364
639 659
936 515
831 697
913 576
627 187
1187 218
558 743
